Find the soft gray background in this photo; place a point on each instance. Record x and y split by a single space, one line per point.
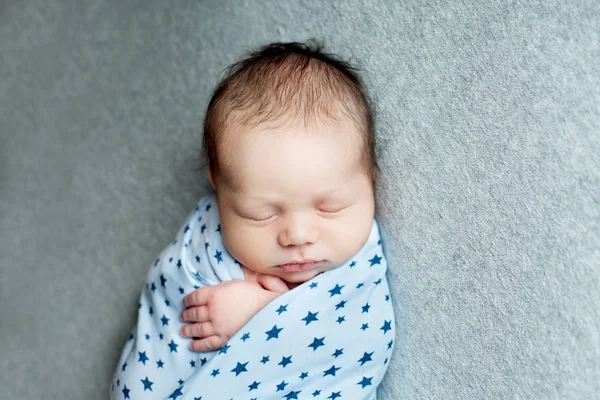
488 139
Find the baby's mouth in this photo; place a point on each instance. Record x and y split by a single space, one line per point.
297 267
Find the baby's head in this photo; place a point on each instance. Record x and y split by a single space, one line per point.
288 137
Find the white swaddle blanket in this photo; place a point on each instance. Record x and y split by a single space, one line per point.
329 338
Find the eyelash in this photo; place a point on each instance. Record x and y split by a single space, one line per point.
266 219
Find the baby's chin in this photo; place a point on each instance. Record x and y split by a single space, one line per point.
300 277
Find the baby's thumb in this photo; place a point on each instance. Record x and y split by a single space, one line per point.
272 283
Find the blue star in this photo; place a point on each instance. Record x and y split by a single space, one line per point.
125 392
163 280
143 357
281 309
239 368
153 287
335 395
365 382
352 264
317 343
265 359
215 372
366 357
123 367
170 259
292 395
181 290
378 281
303 375
156 262
336 290
193 363
147 384
338 352
159 364
160 335
310 317
218 228
387 297
218 257
390 344
314 285
167 303
245 336
206 245
375 260
197 275
360 285
341 319
187 228
386 326
316 393
331 371
364 327
224 349
147 337
365 308
180 382
197 259
131 336
281 386
285 361
150 310
176 394
164 320
208 207
341 304
173 346
202 361
273 333
179 263
202 228
254 385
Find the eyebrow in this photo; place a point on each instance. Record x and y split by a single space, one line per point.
321 196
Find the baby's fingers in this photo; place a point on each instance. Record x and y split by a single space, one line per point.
198 297
194 314
201 330
210 343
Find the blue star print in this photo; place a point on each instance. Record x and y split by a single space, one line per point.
273 333
310 317
239 368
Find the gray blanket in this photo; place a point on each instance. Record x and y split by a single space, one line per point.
488 142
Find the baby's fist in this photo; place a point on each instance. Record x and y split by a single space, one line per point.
217 312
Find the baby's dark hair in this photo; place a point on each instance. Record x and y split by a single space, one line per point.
284 82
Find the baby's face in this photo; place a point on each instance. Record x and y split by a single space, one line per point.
302 196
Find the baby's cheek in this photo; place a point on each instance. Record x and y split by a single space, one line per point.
246 247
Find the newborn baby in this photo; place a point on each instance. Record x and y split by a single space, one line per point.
287 248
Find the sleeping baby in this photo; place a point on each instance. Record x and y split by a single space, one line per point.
275 285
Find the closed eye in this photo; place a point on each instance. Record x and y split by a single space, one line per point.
332 210
258 219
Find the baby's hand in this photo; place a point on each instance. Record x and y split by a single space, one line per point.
218 312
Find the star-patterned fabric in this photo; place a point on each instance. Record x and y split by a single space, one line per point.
329 338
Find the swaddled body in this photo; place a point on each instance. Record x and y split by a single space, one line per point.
289 140
332 335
